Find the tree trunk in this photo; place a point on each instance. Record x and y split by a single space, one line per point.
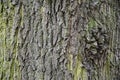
59 40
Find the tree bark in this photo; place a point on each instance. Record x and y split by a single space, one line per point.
59 39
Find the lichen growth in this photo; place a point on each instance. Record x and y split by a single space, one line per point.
9 66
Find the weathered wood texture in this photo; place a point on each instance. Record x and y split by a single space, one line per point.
59 40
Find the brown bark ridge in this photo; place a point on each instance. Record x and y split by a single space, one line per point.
59 40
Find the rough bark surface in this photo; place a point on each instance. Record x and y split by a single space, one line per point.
59 40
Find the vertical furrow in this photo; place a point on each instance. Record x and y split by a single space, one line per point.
24 31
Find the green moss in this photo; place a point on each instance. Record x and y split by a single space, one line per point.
78 71
107 70
49 2
92 23
70 62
